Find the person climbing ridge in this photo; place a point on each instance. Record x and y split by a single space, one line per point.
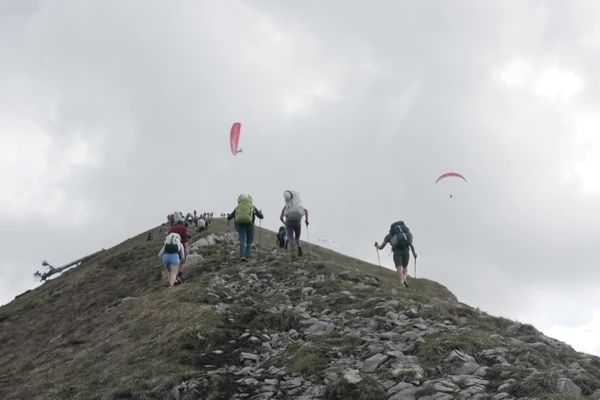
400 238
244 215
181 229
172 254
291 216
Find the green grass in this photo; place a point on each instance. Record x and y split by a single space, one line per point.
337 342
309 361
438 346
281 321
367 389
538 385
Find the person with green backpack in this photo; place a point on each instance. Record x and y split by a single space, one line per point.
400 239
244 215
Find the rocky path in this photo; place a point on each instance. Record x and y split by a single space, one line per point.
307 332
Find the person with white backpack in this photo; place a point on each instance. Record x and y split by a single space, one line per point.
400 239
172 254
291 216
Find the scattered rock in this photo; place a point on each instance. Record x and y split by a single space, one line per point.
352 376
565 385
372 363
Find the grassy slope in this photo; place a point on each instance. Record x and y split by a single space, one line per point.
73 337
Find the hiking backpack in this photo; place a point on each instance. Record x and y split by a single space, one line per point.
244 210
178 216
400 236
172 243
282 237
293 211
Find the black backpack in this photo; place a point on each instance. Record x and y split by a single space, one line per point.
400 236
282 237
171 244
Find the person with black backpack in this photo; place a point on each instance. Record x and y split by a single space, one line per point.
244 215
172 254
400 239
282 240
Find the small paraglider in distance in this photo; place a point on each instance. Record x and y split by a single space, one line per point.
234 138
448 175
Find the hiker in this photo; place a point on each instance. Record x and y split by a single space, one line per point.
291 216
244 215
207 220
180 228
282 240
201 224
172 254
400 239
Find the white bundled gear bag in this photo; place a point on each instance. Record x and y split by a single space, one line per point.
172 243
293 210
178 216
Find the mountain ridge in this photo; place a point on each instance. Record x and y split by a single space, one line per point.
325 326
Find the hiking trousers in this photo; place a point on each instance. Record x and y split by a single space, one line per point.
246 233
294 228
401 257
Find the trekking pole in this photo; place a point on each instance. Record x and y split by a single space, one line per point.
227 240
259 230
415 267
307 237
379 262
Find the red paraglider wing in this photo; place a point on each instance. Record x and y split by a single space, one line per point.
447 174
234 137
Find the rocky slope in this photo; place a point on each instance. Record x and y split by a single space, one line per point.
323 326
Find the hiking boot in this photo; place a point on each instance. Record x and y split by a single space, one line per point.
405 284
243 259
299 251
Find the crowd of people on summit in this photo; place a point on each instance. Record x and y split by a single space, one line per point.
175 248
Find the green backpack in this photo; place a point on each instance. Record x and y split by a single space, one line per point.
244 210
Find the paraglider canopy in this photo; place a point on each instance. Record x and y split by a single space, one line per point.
449 174
234 138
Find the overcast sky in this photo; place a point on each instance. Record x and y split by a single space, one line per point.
113 114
